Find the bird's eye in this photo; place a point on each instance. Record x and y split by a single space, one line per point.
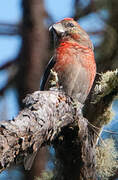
70 25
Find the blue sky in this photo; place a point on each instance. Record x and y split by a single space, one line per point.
10 12
59 9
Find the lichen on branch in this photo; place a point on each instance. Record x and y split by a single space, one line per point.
107 83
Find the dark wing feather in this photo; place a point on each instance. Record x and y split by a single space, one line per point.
46 73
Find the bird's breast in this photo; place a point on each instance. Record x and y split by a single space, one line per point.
76 70
66 54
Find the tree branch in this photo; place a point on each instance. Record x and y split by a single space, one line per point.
43 121
101 98
35 125
80 12
8 64
10 29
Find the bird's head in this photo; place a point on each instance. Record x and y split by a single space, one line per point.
69 30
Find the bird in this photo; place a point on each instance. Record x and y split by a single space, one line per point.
73 60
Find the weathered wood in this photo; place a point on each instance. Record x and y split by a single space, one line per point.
37 124
49 116
75 153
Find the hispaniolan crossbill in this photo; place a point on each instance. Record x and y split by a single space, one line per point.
73 60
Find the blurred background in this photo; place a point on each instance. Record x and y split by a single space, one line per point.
25 50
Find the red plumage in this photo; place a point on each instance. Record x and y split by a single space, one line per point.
73 60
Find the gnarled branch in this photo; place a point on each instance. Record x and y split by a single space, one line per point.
49 116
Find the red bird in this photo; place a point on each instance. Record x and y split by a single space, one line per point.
73 60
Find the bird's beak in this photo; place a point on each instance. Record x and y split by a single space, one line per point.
57 28
56 31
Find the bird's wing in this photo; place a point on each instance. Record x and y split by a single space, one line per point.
46 73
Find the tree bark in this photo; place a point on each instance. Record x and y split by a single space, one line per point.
34 51
50 118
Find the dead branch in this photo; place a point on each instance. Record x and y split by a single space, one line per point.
10 29
44 121
8 64
79 12
12 70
